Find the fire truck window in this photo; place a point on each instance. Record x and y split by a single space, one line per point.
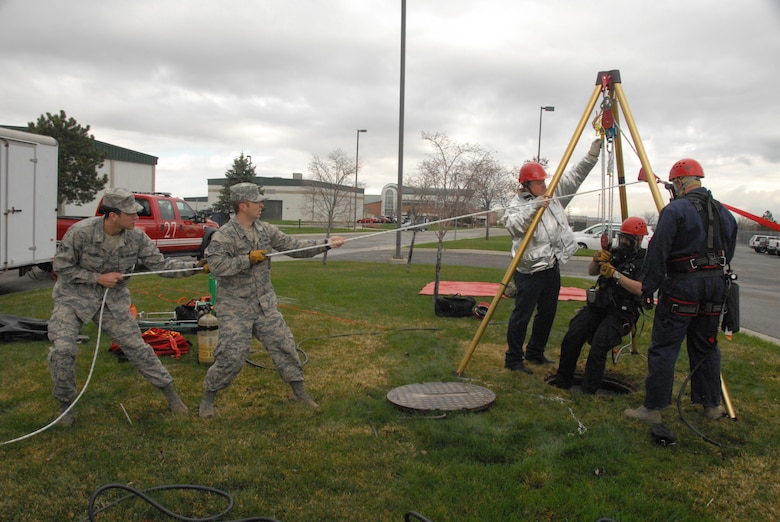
166 210
185 211
146 211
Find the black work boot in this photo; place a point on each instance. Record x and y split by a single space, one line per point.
518 366
538 359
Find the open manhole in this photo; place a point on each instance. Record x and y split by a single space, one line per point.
611 383
441 396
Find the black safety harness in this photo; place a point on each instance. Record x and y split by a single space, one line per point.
607 292
709 263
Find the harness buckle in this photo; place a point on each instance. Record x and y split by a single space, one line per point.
685 309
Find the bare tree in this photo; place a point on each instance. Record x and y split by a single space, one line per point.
493 185
651 216
329 191
744 223
444 185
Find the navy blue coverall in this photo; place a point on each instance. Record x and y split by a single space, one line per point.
679 237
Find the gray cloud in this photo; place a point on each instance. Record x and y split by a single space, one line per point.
196 83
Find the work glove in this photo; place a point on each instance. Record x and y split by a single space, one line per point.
257 256
647 301
595 147
602 256
543 200
203 264
607 270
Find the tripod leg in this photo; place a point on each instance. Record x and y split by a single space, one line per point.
531 229
727 399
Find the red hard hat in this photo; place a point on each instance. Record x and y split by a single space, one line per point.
642 176
686 167
481 310
634 225
531 171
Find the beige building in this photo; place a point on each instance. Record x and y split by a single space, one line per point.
125 168
289 199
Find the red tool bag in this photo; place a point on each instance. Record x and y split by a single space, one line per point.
163 342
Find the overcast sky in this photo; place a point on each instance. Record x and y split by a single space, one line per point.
196 83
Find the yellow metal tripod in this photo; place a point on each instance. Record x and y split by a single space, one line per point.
609 86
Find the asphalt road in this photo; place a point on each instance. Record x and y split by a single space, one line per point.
759 285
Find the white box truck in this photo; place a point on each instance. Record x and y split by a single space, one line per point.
28 200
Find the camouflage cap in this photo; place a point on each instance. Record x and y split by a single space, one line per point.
122 200
246 192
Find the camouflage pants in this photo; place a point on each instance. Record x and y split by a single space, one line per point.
237 324
64 327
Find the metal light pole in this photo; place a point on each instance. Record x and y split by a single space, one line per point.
357 163
539 148
400 203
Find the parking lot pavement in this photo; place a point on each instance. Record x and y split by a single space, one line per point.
11 282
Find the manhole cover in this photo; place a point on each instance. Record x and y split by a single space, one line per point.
442 396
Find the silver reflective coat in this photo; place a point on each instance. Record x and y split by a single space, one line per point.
553 238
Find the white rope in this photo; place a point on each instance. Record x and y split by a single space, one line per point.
413 227
171 271
581 429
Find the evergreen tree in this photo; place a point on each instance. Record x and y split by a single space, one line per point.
78 160
242 171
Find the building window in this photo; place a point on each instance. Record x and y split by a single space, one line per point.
389 203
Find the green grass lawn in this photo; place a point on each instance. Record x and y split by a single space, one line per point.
538 453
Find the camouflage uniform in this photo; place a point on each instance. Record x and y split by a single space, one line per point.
83 255
246 301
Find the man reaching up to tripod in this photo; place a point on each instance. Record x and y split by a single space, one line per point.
538 275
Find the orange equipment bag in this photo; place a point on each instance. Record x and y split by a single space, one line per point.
163 342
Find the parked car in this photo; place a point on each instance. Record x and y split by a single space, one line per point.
590 238
773 246
420 226
758 242
368 220
384 219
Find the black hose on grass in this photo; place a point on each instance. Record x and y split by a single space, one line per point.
682 415
92 512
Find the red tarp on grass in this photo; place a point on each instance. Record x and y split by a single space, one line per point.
477 289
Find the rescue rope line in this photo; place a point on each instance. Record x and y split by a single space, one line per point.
413 227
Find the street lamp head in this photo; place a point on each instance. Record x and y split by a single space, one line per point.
541 111
362 130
